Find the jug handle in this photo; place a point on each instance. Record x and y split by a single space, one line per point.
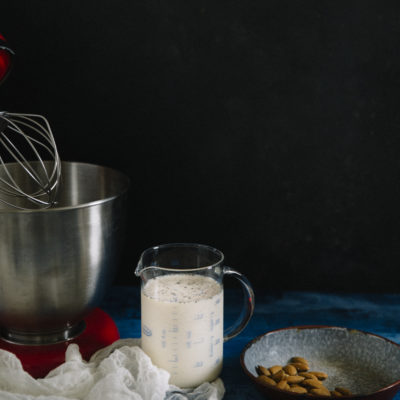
248 305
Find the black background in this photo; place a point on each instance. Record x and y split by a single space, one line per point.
268 129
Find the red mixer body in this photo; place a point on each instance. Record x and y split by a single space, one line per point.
39 360
6 55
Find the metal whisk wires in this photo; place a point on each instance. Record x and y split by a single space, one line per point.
30 167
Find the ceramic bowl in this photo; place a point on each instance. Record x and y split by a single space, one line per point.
366 364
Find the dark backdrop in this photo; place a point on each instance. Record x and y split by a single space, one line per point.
267 128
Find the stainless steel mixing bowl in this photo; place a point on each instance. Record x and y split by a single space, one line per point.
56 264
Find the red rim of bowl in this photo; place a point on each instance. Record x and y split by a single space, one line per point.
256 339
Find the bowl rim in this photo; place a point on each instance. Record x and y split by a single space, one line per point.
125 186
299 327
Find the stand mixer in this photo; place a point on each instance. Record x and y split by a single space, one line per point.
61 235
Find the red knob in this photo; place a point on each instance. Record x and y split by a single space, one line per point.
5 58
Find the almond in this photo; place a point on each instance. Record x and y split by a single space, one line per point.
322 391
290 369
298 360
291 379
320 375
343 391
312 383
307 375
274 369
297 389
283 385
266 380
279 376
262 370
300 366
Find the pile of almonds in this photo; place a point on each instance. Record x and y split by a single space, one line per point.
295 377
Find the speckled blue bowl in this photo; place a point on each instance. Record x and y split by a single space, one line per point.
366 364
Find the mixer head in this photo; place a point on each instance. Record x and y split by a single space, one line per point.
6 55
27 140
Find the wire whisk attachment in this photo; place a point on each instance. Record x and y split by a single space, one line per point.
30 167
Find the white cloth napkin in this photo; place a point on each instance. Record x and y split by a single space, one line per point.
121 371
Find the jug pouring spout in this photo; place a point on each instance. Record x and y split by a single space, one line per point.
139 269
146 263
142 270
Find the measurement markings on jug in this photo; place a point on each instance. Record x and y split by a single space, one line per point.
198 364
200 341
163 338
174 359
147 331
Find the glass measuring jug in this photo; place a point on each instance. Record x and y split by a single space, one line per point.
182 310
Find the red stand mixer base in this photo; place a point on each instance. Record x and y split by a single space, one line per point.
38 361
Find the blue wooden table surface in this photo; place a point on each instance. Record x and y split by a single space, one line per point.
376 313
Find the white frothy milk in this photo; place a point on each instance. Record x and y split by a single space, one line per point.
182 326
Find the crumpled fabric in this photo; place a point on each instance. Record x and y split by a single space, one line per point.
121 371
